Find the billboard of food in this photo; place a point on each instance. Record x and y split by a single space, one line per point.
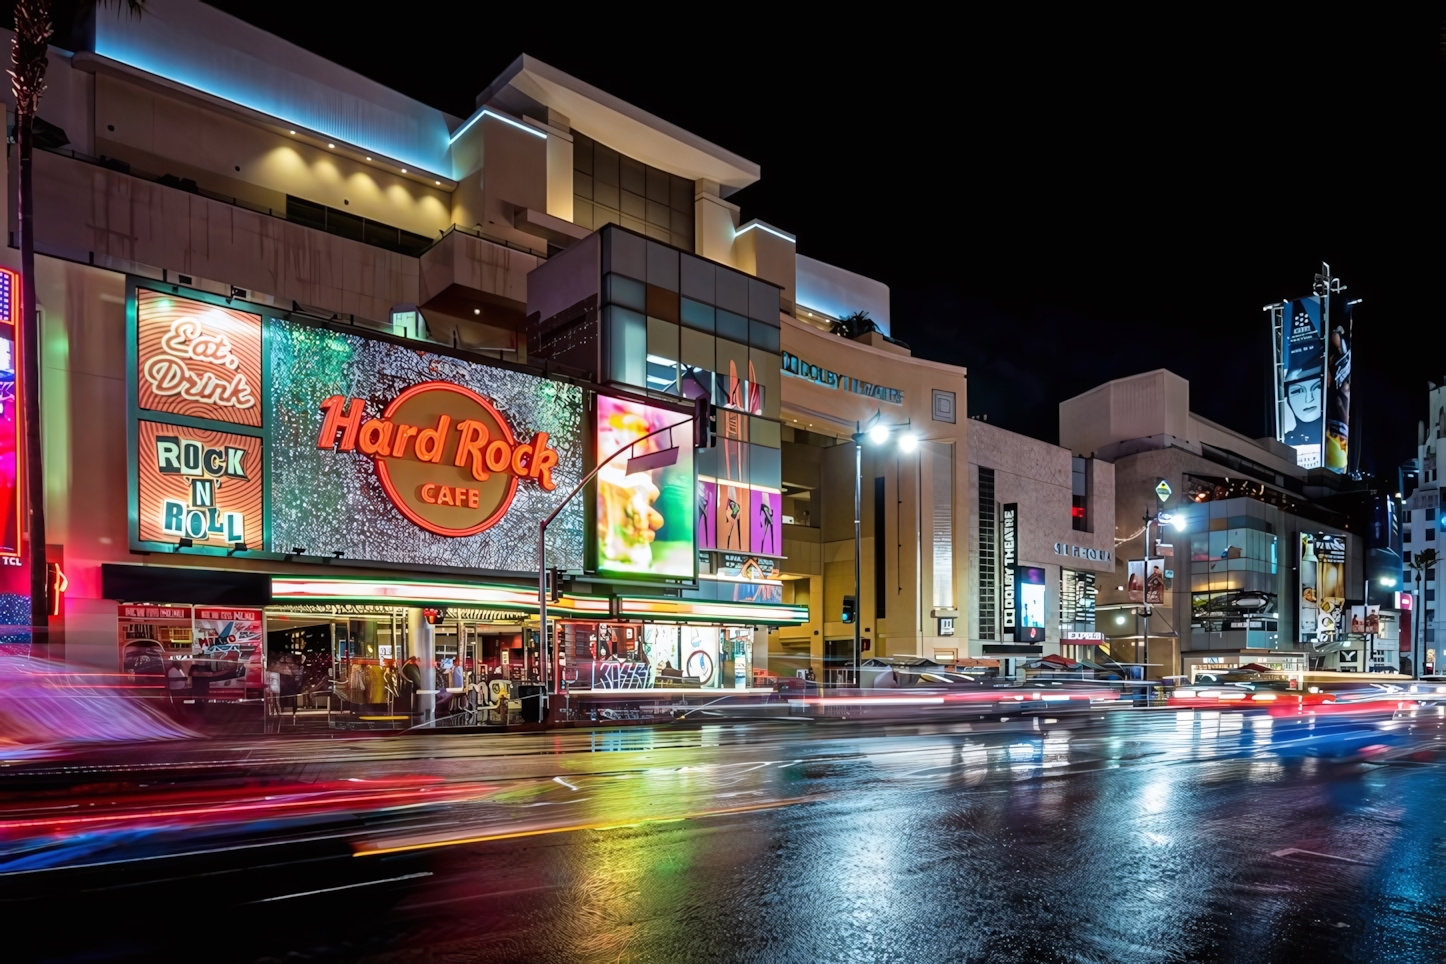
646 517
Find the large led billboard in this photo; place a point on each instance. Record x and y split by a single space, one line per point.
647 518
9 415
1313 376
264 435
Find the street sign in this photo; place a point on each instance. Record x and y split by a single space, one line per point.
1163 490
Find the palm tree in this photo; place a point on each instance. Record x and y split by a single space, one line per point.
854 325
29 53
1424 564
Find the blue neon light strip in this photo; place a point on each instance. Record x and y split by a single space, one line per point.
484 112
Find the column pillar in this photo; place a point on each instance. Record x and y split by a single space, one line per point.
419 635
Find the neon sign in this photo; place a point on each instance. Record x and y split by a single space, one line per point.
9 415
445 456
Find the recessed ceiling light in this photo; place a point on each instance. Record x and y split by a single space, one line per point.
369 158
404 170
439 182
293 132
333 146
476 311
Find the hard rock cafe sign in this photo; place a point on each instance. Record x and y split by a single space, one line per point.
446 457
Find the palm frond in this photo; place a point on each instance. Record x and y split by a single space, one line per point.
28 54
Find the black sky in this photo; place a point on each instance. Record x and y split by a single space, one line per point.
1055 200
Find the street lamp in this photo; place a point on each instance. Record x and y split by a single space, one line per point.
878 434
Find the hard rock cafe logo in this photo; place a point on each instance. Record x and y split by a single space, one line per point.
445 456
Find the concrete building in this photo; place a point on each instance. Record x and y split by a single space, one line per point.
1246 577
1423 524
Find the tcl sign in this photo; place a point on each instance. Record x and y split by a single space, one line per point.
446 457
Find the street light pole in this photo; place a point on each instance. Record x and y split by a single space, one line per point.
858 548
544 663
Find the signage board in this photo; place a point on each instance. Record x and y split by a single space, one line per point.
228 650
1313 378
1008 562
1029 595
1321 593
646 520
798 368
260 434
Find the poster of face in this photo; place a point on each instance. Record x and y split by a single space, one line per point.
645 520
1136 583
1373 620
1302 425
228 652
1357 624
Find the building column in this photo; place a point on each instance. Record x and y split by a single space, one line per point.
420 640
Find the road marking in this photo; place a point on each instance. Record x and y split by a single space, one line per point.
328 890
1312 853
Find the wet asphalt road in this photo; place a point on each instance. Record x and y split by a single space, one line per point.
1150 836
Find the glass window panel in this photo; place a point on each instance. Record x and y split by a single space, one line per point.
657 213
582 153
633 205
605 165
626 254
662 266
764 336
732 358
626 292
605 194
681 193
581 212
729 325
697 279
762 301
582 185
696 349
628 337
682 223
697 315
635 224
602 217
732 291
658 187
663 340
763 431
632 176
663 303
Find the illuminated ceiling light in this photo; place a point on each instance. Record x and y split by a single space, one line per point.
331 146
293 132
476 311
404 170
908 442
439 183
879 434
369 158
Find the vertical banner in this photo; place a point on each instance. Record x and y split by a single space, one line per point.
1309 594
1303 378
1322 587
1338 383
1008 563
1155 582
1136 584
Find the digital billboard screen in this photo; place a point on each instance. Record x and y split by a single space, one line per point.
647 519
1321 597
1029 596
1313 358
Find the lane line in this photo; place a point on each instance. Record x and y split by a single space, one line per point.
328 890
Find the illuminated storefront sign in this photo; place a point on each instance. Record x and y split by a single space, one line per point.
259 434
1008 559
445 456
1082 552
798 368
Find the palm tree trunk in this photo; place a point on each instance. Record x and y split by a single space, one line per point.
30 380
31 49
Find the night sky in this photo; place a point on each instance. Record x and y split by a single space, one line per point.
1054 202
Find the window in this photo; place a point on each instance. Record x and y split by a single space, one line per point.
943 406
988 558
1406 557
1430 535
1079 495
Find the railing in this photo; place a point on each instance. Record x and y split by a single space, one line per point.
309 214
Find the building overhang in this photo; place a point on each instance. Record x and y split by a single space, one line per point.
616 123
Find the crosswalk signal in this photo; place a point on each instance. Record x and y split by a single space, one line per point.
850 609
705 423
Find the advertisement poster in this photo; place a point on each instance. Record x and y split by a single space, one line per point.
1322 587
1155 580
198 484
1029 584
1136 583
228 652
645 520
155 641
767 515
1338 385
1303 378
733 515
701 655
705 524
197 359
388 453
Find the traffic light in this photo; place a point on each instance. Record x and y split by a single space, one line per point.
850 609
705 423
554 583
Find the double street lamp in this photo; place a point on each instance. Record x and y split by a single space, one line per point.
878 434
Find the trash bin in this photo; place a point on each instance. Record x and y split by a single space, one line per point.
531 697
